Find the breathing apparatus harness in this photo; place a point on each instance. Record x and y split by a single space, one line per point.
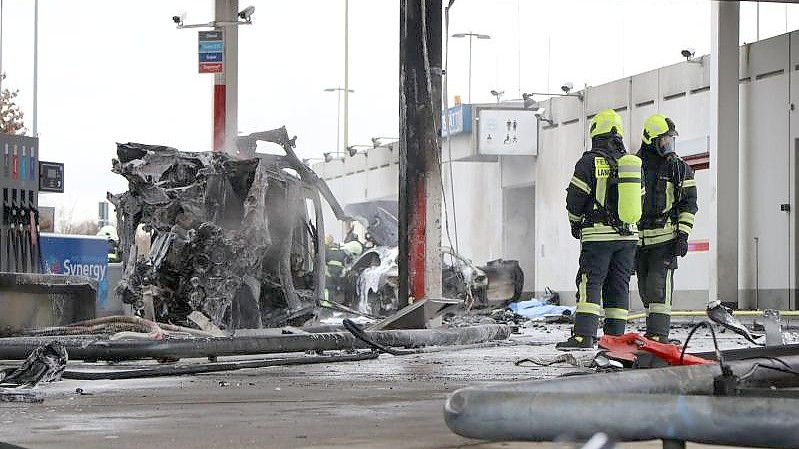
602 213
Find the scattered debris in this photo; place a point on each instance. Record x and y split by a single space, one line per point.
773 328
539 309
370 285
567 358
628 348
30 396
722 315
44 364
120 328
230 238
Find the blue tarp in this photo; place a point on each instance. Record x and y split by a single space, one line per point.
537 308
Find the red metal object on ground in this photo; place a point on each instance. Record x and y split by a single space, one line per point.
625 347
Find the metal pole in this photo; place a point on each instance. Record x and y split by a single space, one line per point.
518 48
226 84
471 36
346 74
232 77
2 16
757 273
219 89
338 122
758 23
549 62
36 68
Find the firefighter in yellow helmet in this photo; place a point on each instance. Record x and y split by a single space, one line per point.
603 202
668 217
338 257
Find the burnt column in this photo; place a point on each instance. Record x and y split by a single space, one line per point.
420 150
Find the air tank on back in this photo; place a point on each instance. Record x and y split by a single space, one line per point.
630 188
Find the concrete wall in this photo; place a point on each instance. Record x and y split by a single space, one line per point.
769 133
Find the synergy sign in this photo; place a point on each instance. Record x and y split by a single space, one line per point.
78 255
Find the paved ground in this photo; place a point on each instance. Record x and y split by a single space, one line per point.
391 402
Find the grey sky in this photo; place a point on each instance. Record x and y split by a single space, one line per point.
118 70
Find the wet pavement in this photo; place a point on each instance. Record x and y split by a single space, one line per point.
390 402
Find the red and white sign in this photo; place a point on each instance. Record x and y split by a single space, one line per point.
212 67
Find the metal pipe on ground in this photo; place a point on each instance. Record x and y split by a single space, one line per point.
79 349
213 367
667 403
509 416
703 313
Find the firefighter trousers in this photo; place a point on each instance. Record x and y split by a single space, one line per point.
603 281
655 269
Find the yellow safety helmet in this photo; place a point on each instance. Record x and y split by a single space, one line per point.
656 126
605 122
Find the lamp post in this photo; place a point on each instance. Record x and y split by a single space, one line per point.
470 35
338 91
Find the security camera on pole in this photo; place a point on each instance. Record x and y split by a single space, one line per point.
218 54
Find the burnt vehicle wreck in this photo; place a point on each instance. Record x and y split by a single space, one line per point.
372 279
237 239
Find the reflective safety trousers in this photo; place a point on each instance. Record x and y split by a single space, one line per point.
655 269
603 286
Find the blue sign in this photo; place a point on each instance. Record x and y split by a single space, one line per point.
460 120
78 255
211 57
212 46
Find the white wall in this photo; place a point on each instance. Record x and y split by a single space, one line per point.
768 133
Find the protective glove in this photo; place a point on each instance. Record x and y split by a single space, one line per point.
681 244
576 230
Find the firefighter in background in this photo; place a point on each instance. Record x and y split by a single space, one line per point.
603 202
110 232
667 220
337 258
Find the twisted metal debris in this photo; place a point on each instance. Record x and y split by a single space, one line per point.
225 236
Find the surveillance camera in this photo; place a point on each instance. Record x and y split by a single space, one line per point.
567 87
247 13
328 156
352 151
178 19
529 101
540 112
688 53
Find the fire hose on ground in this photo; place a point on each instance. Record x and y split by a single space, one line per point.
675 403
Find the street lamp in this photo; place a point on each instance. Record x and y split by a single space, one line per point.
470 35
338 91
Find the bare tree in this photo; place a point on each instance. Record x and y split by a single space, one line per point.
10 115
85 227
